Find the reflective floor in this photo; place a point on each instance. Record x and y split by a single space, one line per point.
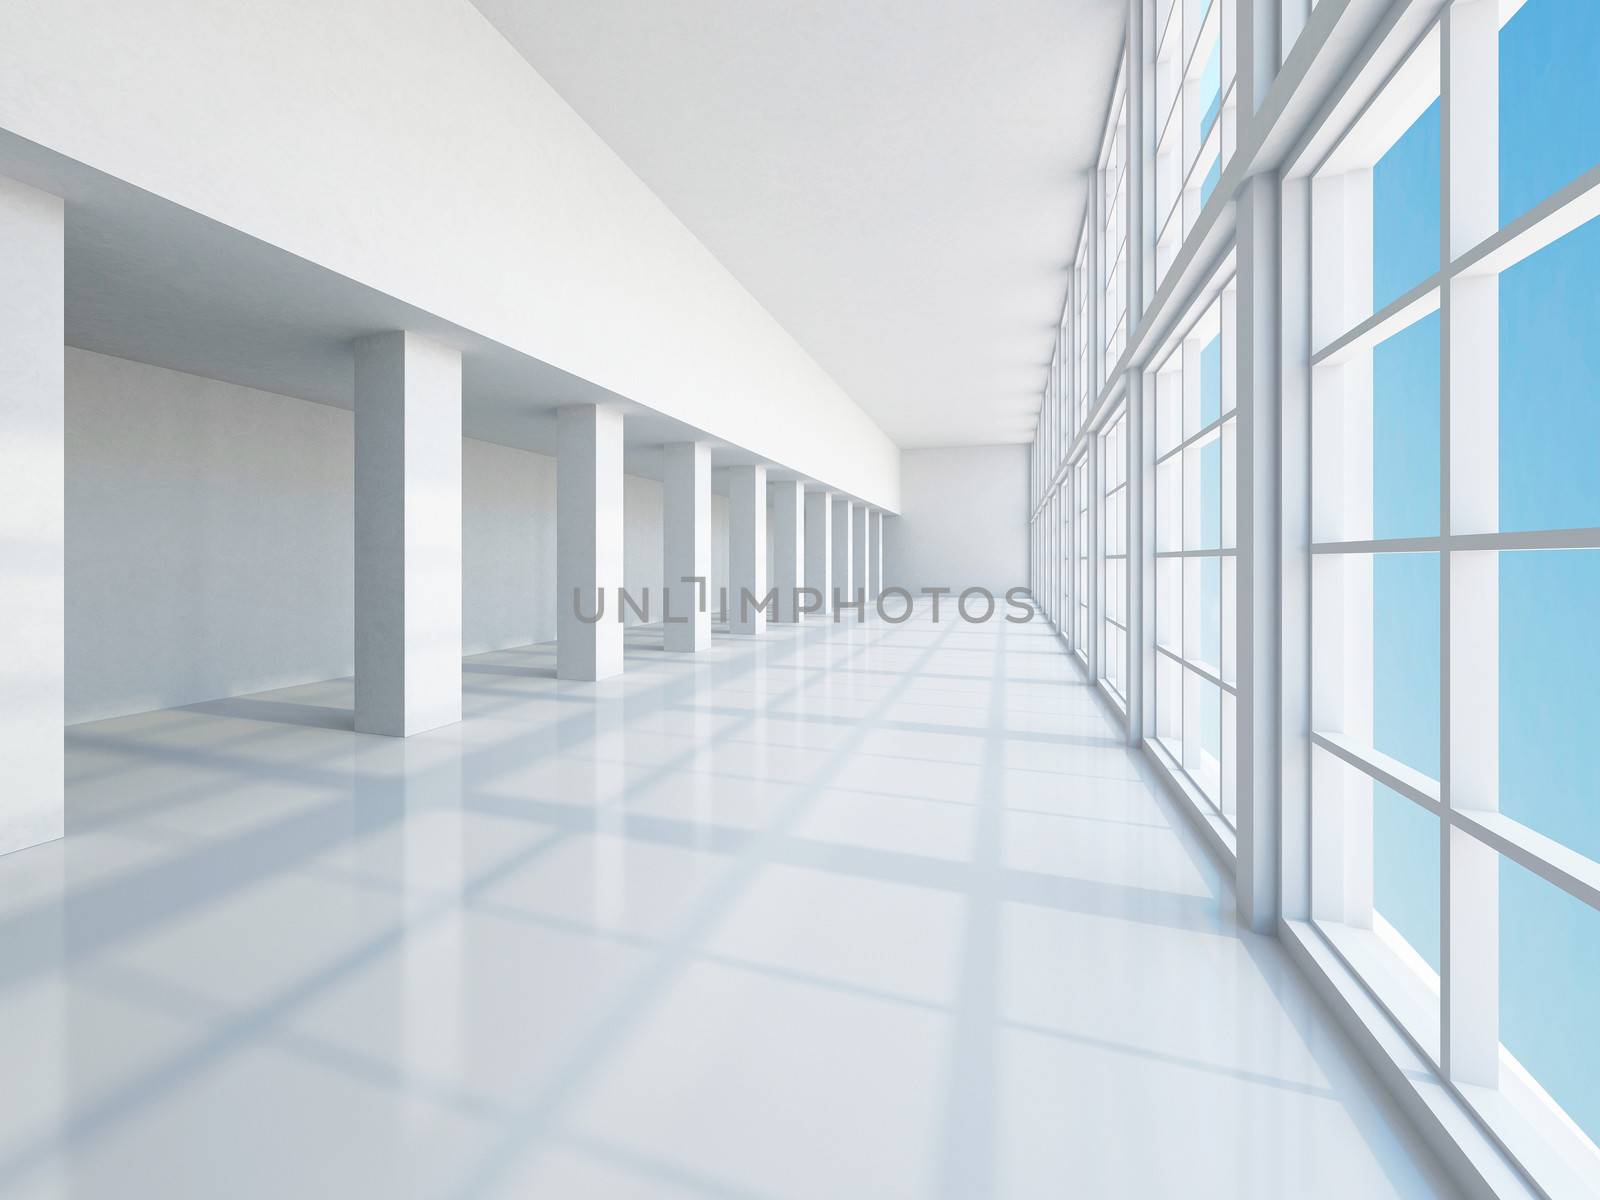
880 910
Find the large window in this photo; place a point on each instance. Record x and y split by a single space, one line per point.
1456 565
1114 556
1063 558
1114 229
1450 175
1195 115
1195 439
1080 332
1064 391
1080 557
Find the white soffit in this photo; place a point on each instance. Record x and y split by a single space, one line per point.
900 183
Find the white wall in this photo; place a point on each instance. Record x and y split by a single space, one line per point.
209 540
508 547
963 520
409 147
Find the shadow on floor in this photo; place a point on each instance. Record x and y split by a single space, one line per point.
278 712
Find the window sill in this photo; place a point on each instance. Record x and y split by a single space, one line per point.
1476 1160
1219 836
1118 705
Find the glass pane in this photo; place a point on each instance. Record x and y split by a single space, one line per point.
1169 705
1405 870
1211 613
1169 405
1405 432
1211 381
1230 479
1405 659
1169 504
1230 727
1209 183
1550 694
1210 89
1549 101
1202 516
1405 211
1202 734
1203 607
1549 973
1388 844
1169 603
1230 672
1550 386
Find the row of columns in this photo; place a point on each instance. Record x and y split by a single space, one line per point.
815 544
408 532
408 540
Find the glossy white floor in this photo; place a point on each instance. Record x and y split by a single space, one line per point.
852 911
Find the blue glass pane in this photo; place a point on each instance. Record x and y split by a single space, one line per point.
1549 968
1550 386
1405 432
1211 381
1549 100
1209 183
1211 89
1211 611
1405 869
1211 720
1405 659
1550 694
1405 211
1211 494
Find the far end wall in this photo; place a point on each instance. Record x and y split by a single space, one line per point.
963 520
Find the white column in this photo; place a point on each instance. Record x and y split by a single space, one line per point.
1257 566
788 547
1294 549
842 557
860 548
686 489
407 534
747 549
1140 600
32 517
588 542
819 547
874 554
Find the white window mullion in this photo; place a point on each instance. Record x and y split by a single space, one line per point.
1469 580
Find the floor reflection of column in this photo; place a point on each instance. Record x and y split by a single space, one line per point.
607 768
701 784
434 950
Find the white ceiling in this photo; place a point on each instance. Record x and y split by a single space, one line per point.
899 182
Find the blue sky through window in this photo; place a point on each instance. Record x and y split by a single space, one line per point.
1405 503
1405 211
1549 477
1211 89
1549 439
1549 100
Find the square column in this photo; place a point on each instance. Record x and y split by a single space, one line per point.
860 549
686 523
819 547
842 557
875 555
32 518
1257 323
788 547
588 542
407 534
747 549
